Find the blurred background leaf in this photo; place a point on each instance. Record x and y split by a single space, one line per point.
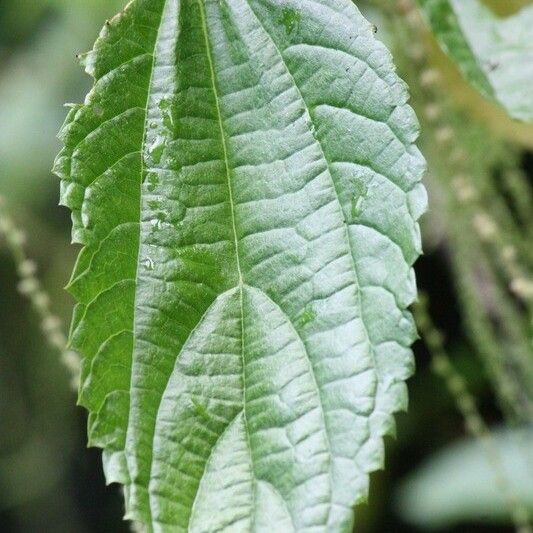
460 483
494 53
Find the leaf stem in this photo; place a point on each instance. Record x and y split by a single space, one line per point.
31 288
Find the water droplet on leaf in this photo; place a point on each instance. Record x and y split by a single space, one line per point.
156 223
148 263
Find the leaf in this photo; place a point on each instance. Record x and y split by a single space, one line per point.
460 483
243 328
494 54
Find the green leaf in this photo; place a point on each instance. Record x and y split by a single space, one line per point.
463 482
244 182
494 54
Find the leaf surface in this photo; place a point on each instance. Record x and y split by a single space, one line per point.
494 54
244 183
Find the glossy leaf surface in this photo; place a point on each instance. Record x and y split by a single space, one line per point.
244 183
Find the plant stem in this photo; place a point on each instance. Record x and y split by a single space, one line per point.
466 405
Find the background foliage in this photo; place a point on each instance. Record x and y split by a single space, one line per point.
476 272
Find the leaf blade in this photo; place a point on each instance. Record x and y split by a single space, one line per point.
246 183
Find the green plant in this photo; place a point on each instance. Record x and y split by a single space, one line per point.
245 185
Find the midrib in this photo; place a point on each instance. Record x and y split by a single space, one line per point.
236 241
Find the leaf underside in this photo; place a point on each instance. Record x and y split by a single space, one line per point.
244 183
494 54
